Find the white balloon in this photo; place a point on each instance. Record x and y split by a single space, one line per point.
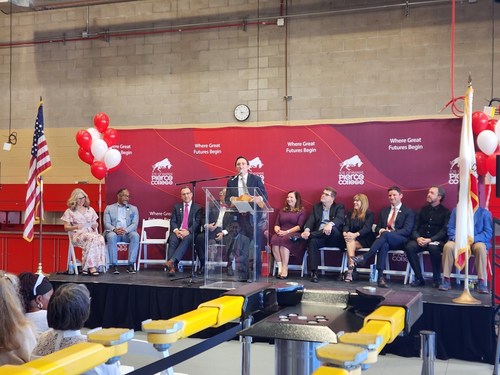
98 149
94 133
112 158
487 142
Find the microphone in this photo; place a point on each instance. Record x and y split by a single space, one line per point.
236 176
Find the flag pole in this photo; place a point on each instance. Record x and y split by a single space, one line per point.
466 182
39 271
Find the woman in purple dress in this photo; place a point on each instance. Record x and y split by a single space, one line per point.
81 221
286 240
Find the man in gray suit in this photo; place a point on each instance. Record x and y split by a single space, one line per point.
120 225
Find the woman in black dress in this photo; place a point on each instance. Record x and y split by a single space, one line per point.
358 230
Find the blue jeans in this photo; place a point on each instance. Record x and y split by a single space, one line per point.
131 238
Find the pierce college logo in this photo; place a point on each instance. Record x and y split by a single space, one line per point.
453 174
351 177
159 174
256 163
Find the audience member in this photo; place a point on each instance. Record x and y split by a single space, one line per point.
120 225
81 221
394 227
17 334
215 228
249 187
323 227
35 290
68 310
483 233
185 223
429 233
284 243
358 231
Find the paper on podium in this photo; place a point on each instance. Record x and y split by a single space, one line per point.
243 206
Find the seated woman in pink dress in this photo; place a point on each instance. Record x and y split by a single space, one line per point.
285 242
81 221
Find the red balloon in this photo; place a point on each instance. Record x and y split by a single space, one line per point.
491 164
98 170
85 156
110 136
479 122
84 139
491 124
101 122
481 163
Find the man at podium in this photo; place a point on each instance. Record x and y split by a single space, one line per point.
248 187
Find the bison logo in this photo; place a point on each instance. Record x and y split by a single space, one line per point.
353 161
165 163
255 163
453 163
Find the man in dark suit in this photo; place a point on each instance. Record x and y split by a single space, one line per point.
238 249
429 233
251 187
395 225
184 224
323 228
215 228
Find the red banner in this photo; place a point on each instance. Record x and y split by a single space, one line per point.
364 157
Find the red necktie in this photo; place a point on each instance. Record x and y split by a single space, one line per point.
185 217
390 223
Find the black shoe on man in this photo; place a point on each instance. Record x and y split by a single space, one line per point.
131 269
381 283
115 270
314 277
418 283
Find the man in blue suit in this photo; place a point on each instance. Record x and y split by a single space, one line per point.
395 225
251 188
120 225
184 224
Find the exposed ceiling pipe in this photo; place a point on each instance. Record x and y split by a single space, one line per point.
264 21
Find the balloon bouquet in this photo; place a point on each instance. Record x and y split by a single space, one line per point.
95 147
488 137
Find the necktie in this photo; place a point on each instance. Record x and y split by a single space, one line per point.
185 217
244 185
390 223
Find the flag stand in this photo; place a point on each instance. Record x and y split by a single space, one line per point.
466 298
39 271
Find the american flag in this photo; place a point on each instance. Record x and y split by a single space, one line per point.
39 163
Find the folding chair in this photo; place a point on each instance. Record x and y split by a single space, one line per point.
152 225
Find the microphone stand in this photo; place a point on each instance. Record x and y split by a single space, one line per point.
193 183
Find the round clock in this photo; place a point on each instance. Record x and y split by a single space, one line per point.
242 112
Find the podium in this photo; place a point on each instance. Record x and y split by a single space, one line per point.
233 249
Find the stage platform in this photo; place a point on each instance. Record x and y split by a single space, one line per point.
464 332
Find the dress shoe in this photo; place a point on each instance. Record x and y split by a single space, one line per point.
359 260
381 283
115 270
436 283
130 269
230 271
314 277
418 282
200 271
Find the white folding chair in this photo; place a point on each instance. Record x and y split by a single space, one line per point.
298 267
147 239
72 255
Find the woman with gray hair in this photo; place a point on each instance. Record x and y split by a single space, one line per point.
17 336
68 310
81 221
